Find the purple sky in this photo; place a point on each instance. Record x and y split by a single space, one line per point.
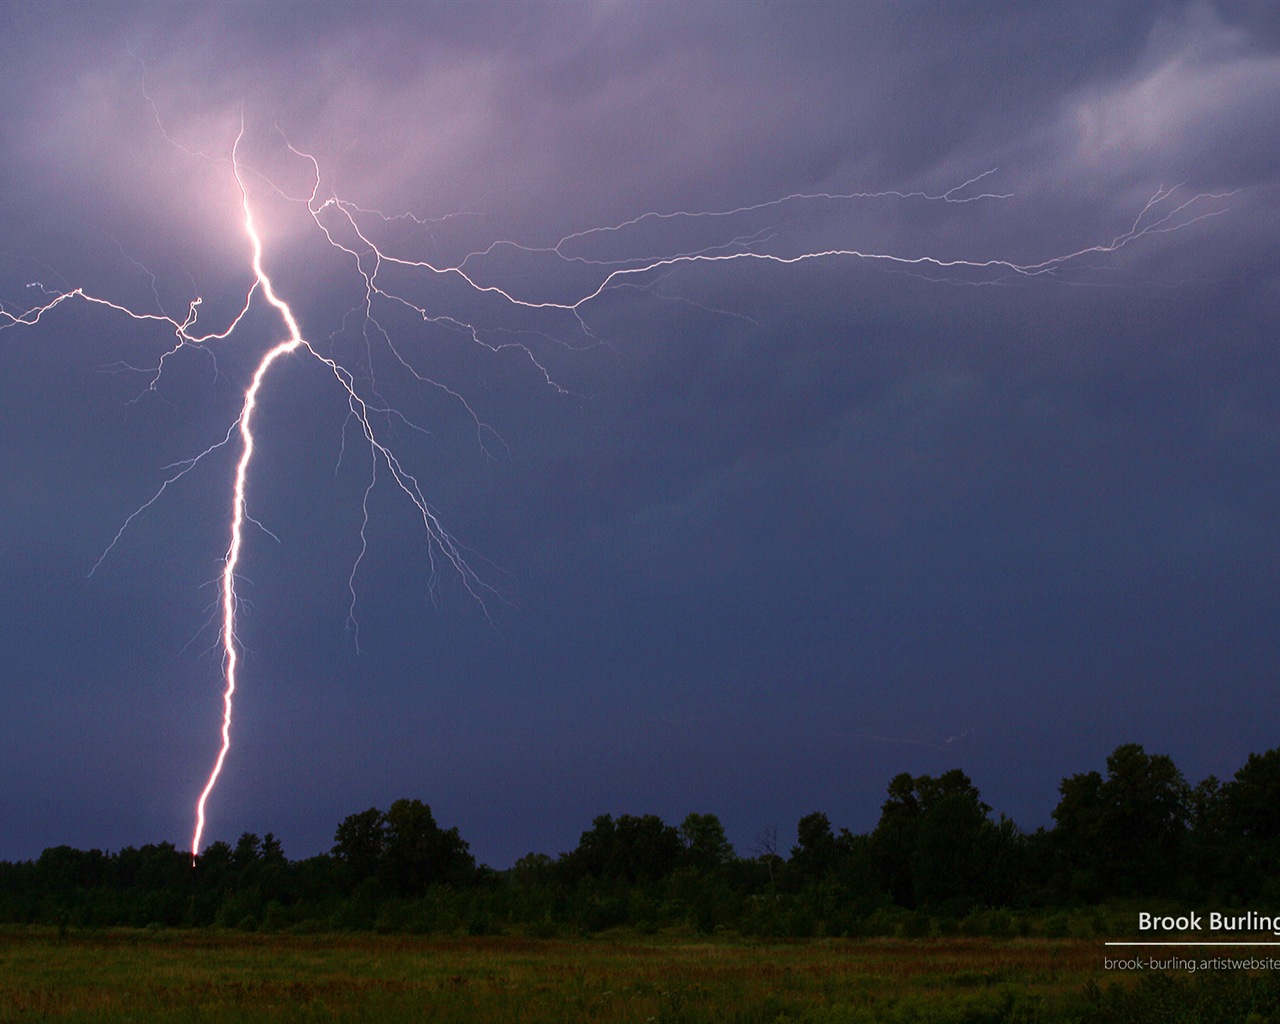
779 532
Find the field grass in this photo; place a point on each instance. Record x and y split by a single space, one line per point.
162 976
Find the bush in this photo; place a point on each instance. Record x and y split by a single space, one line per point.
1160 998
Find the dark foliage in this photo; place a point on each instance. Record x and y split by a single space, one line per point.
936 861
1160 998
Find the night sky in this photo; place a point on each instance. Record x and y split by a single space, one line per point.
776 532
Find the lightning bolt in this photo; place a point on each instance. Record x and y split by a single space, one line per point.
230 654
239 508
351 229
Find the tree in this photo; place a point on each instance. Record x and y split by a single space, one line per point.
360 842
1252 798
631 849
705 845
272 850
1123 835
959 849
214 864
1147 802
1249 826
815 853
64 868
533 870
418 853
893 842
248 850
1078 836
935 845
1210 845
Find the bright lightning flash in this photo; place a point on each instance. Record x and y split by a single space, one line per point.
230 656
350 229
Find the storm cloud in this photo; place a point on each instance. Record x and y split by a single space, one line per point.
778 532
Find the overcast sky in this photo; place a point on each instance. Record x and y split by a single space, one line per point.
758 535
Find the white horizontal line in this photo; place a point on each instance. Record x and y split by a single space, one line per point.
1191 943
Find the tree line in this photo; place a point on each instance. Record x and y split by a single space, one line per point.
937 859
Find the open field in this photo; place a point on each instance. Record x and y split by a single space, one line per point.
161 976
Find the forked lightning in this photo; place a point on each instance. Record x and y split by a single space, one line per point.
351 229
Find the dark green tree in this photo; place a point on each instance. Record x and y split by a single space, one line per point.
632 849
419 854
360 843
816 852
936 846
272 851
705 845
893 842
1079 833
247 852
1123 835
1249 826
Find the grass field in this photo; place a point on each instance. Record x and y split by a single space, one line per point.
189 976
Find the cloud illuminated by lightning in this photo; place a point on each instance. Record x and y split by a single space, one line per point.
352 230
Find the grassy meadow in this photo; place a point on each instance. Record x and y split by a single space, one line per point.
163 975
